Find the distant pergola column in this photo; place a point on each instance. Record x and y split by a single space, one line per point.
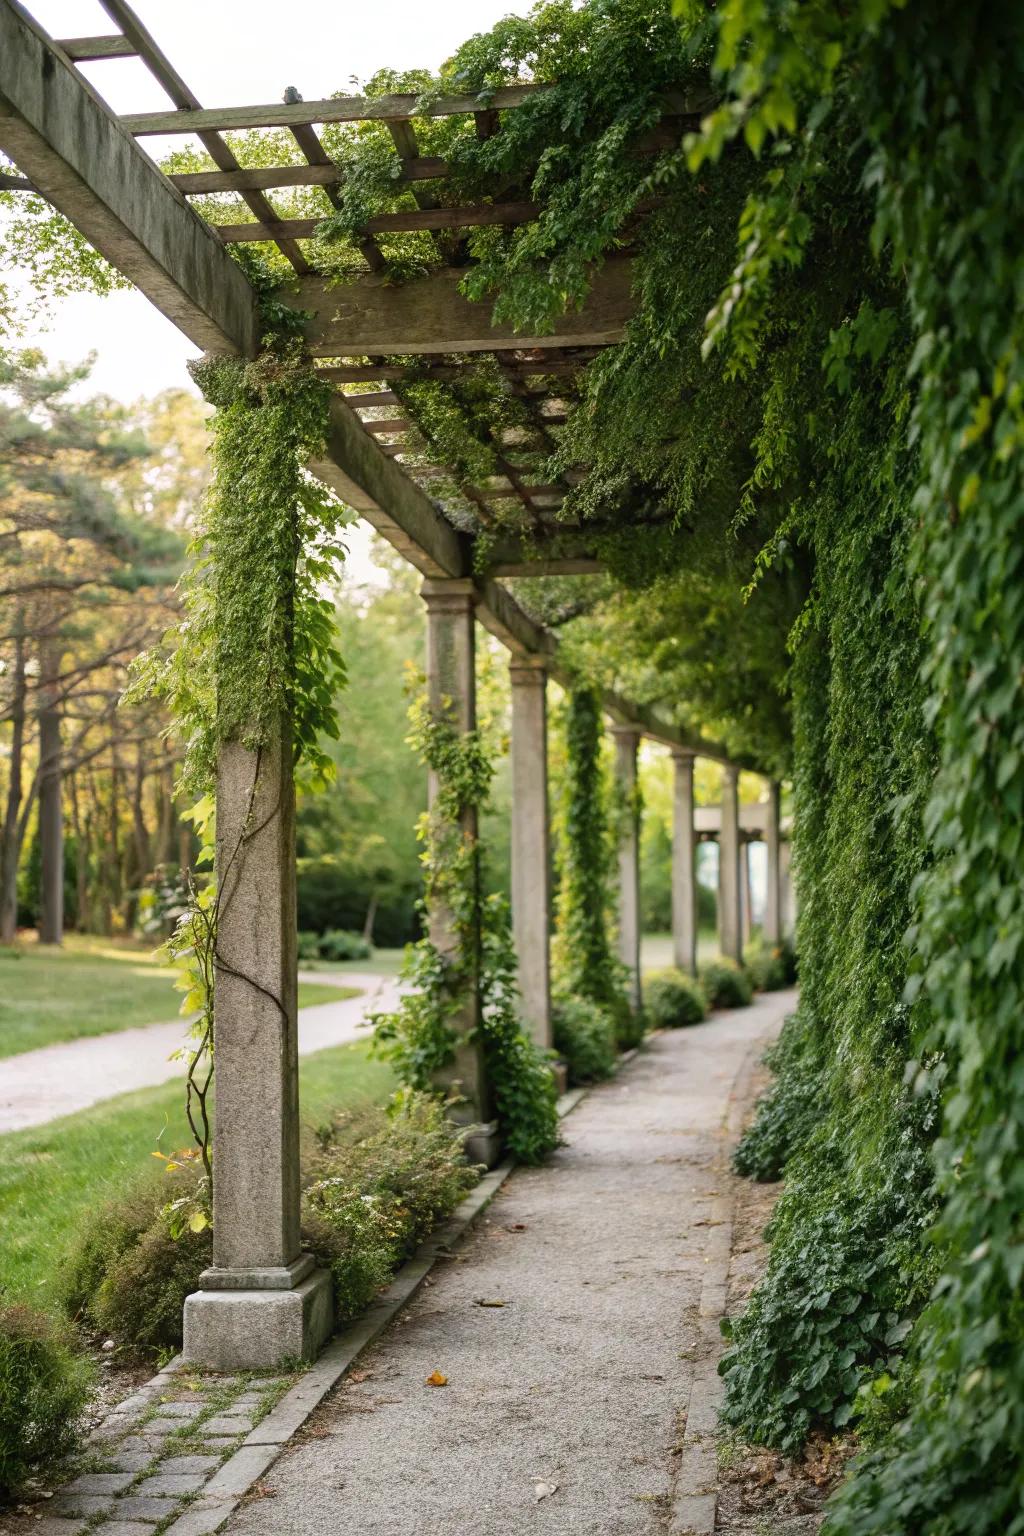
773 890
262 1301
451 694
730 919
627 743
531 865
684 864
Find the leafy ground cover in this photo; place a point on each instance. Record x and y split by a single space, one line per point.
93 986
52 1176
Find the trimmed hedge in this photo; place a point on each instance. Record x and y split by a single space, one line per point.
673 999
726 984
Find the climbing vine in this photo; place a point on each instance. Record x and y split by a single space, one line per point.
255 647
585 965
476 968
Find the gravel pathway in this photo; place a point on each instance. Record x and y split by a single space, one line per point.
571 1330
39 1086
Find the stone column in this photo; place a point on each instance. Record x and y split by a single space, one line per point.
729 917
773 894
531 865
627 742
787 899
451 691
262 1302
746 891
684 866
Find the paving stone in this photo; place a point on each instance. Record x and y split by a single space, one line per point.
216 1442
135 1506
133 1461
180 1410
127 1528
175 1465
138 1445
163 1426
228 1424
100 1482
173 1484
82 1504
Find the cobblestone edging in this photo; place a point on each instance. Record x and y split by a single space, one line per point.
695 1491
177 1457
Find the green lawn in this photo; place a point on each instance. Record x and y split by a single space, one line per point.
91 986
383 962
52 1176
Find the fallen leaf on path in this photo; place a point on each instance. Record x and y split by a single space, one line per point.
436 1379
542 1490
484 1301
359 1375
516 1226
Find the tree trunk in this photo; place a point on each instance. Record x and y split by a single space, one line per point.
10 840
371 914
51 809
82 846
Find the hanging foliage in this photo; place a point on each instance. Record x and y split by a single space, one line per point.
478 969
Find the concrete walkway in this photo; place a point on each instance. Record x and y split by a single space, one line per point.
39 1086
575 1328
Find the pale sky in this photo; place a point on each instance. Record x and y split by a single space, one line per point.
233 53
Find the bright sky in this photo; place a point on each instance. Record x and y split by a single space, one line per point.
234 53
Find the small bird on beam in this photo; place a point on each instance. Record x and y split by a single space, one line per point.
291 96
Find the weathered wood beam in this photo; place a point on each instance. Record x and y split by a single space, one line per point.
83 50
369 373
431 315
337 109
63 137
397 108
367 479
410 220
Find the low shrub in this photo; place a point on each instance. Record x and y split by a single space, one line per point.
127 1276
630 1022
584 1034
44 1385
375 1190
725 984
673 999
339 944
770 966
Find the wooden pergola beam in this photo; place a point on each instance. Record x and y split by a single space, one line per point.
431 316
72 148
336 109
409 220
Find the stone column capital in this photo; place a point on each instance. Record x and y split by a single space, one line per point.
730 773
623 732
683 754
443 594
528 671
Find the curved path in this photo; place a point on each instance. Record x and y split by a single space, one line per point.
57 1080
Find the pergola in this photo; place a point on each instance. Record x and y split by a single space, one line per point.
262 1301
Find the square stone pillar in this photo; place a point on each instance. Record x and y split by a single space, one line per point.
746 890
730 921
531 862
451 692
262 1302
684 865
773 893
627 742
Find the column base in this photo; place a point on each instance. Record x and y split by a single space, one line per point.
483 1144
253 1330
560 1073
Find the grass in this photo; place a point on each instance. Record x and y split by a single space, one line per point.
383 962
53 1175
92 986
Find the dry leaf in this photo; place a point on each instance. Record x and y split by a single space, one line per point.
359 1375
435 1379
483 1301
516 1226
542 1490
